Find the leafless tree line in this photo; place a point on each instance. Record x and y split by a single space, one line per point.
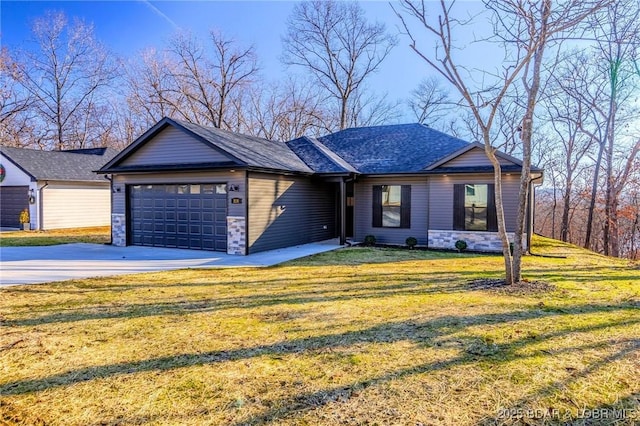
64 89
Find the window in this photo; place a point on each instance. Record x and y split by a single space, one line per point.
474 207
392 206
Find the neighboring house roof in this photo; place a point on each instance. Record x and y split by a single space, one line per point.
400 148
243 150
73 165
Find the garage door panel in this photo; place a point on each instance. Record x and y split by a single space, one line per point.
13 199
185 216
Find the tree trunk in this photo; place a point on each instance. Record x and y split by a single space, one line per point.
526 134
594 195
566 199
343 113
502 229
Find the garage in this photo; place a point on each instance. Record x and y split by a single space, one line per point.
191 216
13 199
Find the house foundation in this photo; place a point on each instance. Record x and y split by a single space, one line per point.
476 241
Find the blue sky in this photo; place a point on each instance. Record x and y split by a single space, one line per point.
126 27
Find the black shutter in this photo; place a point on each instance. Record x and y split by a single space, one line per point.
377 206
458 207
405 206
492 217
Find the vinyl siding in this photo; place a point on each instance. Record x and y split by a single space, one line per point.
471 158
363 211
289 210
76 205
237 178
174 146
441 196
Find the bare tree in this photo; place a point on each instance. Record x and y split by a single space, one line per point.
65 74
203 84
334 41
430 103
568 104
285 111
524 30
15 103
617 31
150 93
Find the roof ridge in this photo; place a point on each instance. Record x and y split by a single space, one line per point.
332 156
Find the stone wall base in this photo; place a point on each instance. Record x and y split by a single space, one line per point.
118 230
476 241
236 235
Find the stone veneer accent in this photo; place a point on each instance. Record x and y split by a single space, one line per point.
236 235
118 229
476 241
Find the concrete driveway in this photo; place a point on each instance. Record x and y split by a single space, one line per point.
32 265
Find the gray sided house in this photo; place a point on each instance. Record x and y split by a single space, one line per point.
188 186
59 189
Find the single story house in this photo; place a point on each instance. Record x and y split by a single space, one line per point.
58 188
189 186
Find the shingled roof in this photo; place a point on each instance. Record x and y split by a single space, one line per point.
318 157
74 165
242 150
400 148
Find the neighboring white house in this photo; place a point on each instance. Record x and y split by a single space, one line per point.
59 188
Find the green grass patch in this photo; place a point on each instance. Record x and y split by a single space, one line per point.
97 235
355 336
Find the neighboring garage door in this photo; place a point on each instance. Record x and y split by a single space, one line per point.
192 216
13 199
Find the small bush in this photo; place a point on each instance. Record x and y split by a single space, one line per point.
461 245
411 242
370 240
24 216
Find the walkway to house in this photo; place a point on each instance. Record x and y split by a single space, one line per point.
32 265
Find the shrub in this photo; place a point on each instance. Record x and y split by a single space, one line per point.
461 245
411 242
24 216
370 240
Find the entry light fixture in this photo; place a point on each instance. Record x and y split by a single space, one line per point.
32 196
233 188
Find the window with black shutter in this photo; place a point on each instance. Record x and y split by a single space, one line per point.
392 206
474 207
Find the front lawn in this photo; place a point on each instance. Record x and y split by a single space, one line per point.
356 336
97 235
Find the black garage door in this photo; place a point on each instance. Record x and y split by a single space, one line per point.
13 199
192 216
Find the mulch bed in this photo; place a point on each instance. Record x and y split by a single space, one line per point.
522 287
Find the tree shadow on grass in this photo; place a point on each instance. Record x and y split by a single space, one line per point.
527 415
423 333
351 287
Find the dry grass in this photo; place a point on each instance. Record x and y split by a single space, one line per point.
358 336
98 235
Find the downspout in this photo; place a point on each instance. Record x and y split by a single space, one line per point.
41 206
428 209
110 179
343 212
